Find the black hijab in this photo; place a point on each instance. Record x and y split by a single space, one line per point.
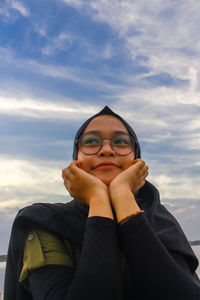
68 222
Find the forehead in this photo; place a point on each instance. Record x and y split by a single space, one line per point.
106 124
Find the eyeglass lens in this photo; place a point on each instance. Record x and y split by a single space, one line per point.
91 144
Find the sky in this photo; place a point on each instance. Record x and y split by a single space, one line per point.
61 61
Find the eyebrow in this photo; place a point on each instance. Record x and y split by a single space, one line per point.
99 132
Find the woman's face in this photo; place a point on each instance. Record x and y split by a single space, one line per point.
106 126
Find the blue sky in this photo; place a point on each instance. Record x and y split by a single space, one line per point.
62 61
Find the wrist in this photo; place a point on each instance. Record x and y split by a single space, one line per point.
100 206
119 191
123 203
98 195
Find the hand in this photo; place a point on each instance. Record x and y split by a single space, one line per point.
82 185
132 178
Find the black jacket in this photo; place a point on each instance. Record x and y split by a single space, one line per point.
69 220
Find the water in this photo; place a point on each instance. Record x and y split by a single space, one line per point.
196 250
2 272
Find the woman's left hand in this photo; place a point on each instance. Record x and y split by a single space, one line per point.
131 179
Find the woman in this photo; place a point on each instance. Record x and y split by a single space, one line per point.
113 241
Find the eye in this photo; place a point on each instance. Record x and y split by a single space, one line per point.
88 140
121 141
91 141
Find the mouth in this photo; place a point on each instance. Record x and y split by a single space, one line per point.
106 165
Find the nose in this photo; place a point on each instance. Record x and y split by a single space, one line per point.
106 149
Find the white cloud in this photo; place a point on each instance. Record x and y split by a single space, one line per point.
76 3
60 43
172 186
157 115
29 173
19 7
45 108
16 5
166 34
28 181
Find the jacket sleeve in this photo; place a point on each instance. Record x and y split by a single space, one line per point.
97 275
43 248
156 272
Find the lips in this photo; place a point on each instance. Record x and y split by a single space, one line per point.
106 165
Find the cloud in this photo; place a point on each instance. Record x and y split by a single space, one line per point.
78 75
173 187
153 114
76 3
157 90
28 181
146 29
20 173
45 109
7 57
19 7
6 9
36 179
25 182
60 43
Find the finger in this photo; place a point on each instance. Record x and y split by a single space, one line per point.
77 170
67 174
140 164
137 164
142 184
143 173
142 169
64 173
66 184
72 165
145 169
71 169
75 166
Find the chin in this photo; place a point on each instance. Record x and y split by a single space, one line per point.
106 181
105 177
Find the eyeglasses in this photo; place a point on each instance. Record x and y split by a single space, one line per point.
91 144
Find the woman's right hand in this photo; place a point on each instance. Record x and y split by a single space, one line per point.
82 185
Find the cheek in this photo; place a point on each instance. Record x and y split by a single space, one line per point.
128 161
85 161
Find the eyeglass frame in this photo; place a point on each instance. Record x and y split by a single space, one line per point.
133 143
